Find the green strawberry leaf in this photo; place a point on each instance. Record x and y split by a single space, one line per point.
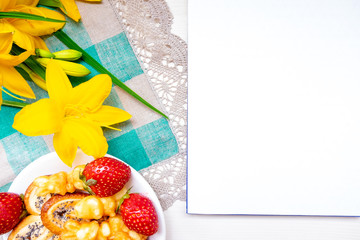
126 196
85 185
91 182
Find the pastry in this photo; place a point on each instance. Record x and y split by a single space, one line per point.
32 228
113 228
59 209
34 202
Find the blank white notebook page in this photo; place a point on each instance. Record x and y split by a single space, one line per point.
274 107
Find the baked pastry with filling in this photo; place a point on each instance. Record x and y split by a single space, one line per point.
32 228
60 209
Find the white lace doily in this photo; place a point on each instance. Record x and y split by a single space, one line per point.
163 56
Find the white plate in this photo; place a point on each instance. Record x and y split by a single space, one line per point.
51 163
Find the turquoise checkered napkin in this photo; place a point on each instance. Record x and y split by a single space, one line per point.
144 140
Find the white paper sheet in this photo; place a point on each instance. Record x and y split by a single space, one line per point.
274 107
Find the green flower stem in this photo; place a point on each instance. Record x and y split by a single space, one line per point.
35 66
25 68
13 104
30 62
28 16
34 77
63 37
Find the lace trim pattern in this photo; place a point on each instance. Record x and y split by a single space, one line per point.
163 56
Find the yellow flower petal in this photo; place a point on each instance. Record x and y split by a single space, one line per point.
11 60
57 83
38 28
108 115
7 4
87 135
31 3
15 83
71 9
39 43
23 40
1 82
6 40
92 93
39 118
65 146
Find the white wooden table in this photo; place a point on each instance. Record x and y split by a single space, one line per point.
181 226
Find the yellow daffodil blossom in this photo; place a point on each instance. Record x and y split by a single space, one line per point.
27 32
75 115
72 10
9 77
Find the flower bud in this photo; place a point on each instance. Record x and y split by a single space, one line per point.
43 53
68 54
70 68
38 80
34 77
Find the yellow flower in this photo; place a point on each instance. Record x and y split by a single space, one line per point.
75 115
72 10
27 32
9 77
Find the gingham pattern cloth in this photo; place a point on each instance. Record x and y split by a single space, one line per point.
144 140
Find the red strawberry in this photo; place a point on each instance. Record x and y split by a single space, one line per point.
139 214
11 211
105 176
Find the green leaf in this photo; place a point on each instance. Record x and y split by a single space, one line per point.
85 186
51 3
63 37
91 182
88 189
13 104
35 66
30 61
28 16
82 177
125 196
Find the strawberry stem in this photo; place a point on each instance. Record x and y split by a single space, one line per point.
23 214
85 184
